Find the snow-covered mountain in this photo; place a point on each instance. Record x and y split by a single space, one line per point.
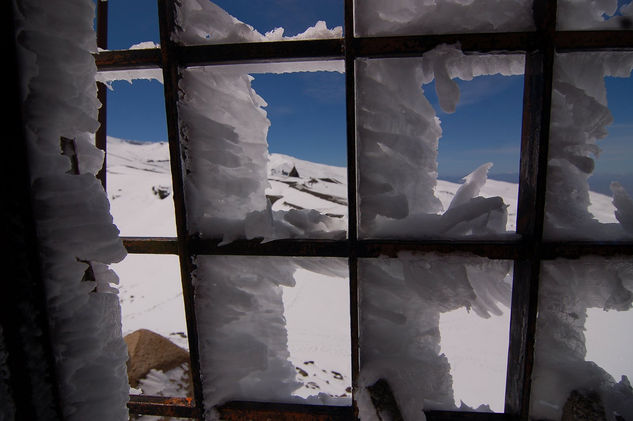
317 308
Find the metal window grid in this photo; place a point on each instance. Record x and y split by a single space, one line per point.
527 251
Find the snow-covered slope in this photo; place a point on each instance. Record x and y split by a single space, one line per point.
316 309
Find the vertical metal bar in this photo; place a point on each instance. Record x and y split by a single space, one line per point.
537 101
166 12
102 90
352 195
30 360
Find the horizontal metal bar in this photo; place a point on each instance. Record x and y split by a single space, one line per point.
508 249
575 250
291 247
264 411
163 406
395 46
128 59
151 245
403 46
277 51
467 416
593 40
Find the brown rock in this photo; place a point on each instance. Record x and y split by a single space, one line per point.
148 350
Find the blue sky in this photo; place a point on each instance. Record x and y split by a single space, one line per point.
307 110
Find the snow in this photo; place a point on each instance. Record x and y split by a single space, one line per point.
567 291
203 22
398 134
401 305
75 230
580 118
413 17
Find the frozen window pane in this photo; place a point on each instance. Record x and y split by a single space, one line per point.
571 346
138 168
230 21
400 126
588 14
235 187
589 179
270 329
408 17
415 335
154 325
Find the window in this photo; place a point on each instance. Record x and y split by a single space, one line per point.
531 250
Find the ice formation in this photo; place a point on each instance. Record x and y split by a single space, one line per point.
224 129
398 132
203 22
401 302
413 17
580 117
567 290
589 14
241 326
75 230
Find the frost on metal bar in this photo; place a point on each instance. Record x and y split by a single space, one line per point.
77 237
564 370
405 341
580 118
242 328
414 17
588 14
204 22
398 133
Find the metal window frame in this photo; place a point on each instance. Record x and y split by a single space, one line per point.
527 251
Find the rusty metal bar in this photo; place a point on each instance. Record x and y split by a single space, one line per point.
539 65
264 411
163 406
155 245
278 51
567 41
406 46
396 46
128 59
102 91
166 14
508 250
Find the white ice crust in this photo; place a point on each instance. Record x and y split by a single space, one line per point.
413 17
242 330
567 290
580 118
590 14
75 230
203 22
401 302
398 133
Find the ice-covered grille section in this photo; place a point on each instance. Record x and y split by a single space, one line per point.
75 230
242 329
398 133
413 17
567 290
400 305
580 117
